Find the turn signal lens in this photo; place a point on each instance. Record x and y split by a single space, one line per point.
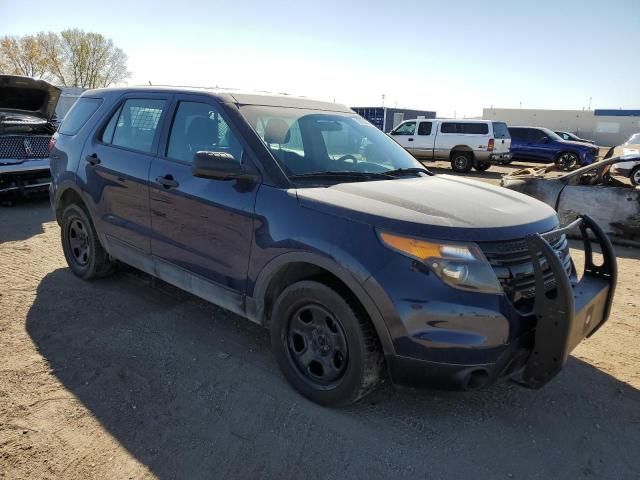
423 250
491 145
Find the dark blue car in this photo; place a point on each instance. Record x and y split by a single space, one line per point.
304 218
543 145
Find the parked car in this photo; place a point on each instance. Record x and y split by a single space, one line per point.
303 217
572 137
465 143
27 111
631 168
592 190
542 144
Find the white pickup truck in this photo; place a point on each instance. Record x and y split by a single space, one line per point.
465 143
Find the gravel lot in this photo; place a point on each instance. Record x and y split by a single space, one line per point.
130 378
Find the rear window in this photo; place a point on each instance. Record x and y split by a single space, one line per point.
465 128
133 126
500 130
79 114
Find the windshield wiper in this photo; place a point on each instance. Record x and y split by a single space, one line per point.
338 174
407 171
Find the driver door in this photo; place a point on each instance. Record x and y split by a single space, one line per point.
405 135
200 226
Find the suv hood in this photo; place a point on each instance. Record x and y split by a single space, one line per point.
583 145
26 95
439 207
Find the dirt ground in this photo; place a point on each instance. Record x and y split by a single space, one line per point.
130 378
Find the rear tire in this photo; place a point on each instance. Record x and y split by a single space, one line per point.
482 166
634 176
461 162
82 249
567 161
325 346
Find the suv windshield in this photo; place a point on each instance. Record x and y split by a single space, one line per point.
307 142
551 134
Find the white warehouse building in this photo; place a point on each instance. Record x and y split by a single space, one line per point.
606 127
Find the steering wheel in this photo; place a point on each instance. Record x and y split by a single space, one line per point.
346 157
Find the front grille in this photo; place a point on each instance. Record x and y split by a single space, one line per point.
24 146
513 266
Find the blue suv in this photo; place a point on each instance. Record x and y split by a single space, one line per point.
542 144
304 218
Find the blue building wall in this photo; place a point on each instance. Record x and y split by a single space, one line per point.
383 117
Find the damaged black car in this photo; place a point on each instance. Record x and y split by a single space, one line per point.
27 122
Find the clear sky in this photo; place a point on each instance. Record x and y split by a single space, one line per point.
449 56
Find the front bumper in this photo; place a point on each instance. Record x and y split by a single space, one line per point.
27 176
467 341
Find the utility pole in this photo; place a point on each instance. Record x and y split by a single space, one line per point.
383 99
590 98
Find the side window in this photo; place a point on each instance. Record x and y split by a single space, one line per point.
517 134
79 114
424 128
473 128
448 127
199 127
536 135
408 128
134 125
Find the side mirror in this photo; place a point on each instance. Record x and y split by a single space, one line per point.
219 166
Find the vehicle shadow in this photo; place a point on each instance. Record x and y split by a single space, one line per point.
192 391
23 218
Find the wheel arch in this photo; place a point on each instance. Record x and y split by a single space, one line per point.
461 148
290 268
65 196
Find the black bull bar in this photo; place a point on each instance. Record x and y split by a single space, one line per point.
567 314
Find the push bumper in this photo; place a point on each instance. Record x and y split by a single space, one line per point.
561 318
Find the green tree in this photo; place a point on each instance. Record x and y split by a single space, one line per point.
72 58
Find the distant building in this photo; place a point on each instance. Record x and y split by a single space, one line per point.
387 118
605 127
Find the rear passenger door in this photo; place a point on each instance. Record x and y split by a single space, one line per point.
202 228
115 165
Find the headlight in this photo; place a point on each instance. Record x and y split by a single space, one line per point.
460 265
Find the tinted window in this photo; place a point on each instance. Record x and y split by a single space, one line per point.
465 128
536 135
79 114
424 128
518 134
500 130
136 124
408 128
199 127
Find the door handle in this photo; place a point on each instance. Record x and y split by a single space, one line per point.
409 139
93 159
167 181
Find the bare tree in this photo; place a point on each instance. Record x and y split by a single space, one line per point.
73 58
23 56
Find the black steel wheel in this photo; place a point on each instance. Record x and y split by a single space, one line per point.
82 249
635 176
325 345
567 161
461 162
317 345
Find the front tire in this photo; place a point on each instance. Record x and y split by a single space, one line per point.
635 176
325 346
82 249
567 161
461 162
